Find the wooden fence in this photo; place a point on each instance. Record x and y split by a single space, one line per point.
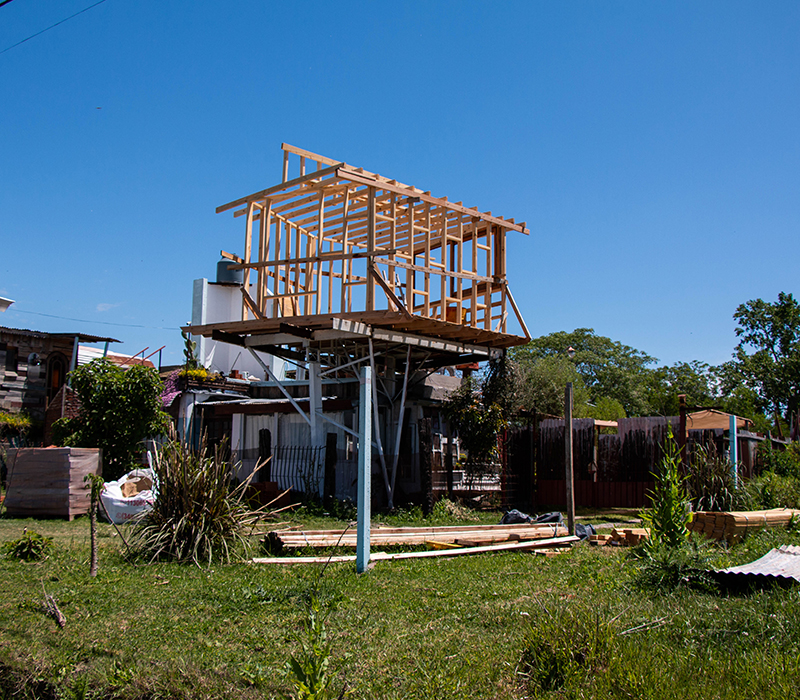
609 470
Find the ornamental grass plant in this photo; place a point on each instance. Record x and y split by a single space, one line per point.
199 516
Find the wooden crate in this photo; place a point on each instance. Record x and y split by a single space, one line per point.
48 482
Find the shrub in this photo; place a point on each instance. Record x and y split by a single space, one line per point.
782 462
771 490
15 426
197 515
119 409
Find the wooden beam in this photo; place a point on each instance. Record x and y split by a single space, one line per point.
347 174
264 194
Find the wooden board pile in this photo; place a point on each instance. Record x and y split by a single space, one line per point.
49 481
434 537
732 526
621 537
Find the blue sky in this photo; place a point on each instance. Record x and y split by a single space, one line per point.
652 148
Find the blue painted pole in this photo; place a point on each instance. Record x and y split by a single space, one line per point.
364 469
734 450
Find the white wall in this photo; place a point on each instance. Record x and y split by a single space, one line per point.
219 303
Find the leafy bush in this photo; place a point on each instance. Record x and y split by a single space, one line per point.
119 409
782 462
197 515
478 424
30 547
14 425
771 490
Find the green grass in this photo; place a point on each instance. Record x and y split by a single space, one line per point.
470 627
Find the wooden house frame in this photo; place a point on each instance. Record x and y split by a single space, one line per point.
341 241
342 265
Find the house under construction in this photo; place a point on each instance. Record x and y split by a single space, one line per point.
343 267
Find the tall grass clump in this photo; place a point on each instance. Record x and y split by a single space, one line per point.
198 515
563 646
710 482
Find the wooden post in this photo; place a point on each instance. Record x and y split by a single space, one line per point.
682 430
329 489
364 469
568 458
448 461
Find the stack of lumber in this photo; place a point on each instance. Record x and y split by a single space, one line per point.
547 544
732 526
621 537
48 482
434 537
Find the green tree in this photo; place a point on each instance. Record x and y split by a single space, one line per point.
543 382
608 368
696 380
119 409
767 358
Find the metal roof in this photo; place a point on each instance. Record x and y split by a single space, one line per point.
82 337
781 564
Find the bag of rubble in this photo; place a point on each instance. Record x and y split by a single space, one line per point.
127 497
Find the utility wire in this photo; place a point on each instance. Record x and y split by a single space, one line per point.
103 323
51 26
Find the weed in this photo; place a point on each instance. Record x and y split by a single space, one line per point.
30 547
667 517
664 569
310 670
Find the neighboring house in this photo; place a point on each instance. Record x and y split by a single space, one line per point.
34 366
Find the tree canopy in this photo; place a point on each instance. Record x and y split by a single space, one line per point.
608 369
613 380
767 358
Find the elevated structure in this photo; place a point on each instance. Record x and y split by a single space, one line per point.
342 265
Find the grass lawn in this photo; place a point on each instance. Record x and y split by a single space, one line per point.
511 625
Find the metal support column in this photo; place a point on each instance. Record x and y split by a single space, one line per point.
364 470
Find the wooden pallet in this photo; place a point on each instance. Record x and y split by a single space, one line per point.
48 482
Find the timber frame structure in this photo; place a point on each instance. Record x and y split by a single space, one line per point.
342 265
